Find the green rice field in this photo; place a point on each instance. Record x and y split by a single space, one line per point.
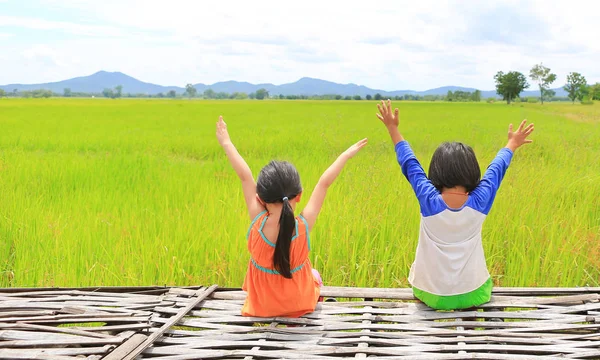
138 192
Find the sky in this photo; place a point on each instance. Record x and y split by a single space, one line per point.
387 45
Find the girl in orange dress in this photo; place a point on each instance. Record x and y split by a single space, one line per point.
280 280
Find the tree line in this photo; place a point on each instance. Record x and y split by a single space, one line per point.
508 85
511 84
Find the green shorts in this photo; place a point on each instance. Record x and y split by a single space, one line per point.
479 296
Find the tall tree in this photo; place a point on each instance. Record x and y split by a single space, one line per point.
118 91
190 90
575 86
377 97
543 77
172 94
594 91
476 96
2 93
108 93
209 94
67 92
510 85
261 94
369 97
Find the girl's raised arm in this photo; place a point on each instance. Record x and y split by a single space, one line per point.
241 168
313 207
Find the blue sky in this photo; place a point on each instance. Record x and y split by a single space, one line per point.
389 45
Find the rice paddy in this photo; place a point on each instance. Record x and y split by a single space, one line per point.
138 192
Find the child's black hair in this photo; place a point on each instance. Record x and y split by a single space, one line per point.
454 164
279 182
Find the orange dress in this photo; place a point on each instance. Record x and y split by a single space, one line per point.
269 293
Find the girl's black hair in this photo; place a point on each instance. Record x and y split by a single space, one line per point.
454 164
279 182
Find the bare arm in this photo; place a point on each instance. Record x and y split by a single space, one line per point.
241 168
313 207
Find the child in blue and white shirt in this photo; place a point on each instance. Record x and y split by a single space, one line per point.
449 271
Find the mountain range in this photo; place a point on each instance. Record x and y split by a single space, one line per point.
101 80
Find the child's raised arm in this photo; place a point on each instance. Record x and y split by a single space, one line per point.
411 168
486 191
241 168
390 119
313 207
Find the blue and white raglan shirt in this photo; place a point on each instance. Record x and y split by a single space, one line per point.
449 258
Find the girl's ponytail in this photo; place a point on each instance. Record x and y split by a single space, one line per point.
281 257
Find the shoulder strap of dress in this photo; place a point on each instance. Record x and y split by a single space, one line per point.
306 227
254 222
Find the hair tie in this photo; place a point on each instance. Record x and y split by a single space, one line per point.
285 198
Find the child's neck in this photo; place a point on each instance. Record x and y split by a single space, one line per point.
457 190
275 209
455 197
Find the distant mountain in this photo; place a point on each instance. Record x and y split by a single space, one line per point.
95 83
101 80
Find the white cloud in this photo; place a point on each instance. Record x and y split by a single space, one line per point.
69 27
387 45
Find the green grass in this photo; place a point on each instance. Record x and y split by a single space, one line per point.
138 192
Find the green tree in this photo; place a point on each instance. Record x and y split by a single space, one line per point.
369 97
575 86
239 95
543 77
160 95
108 93
2 93
476 96
348 97
378 97
190 90
510 85
339 97
261 94
449 96
594 91
172 94
549 94
67 92
356 97
209 94
118 91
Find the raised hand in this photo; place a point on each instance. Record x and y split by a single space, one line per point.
517 138
389 118
222 134
354 149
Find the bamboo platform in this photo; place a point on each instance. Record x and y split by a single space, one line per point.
171 323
